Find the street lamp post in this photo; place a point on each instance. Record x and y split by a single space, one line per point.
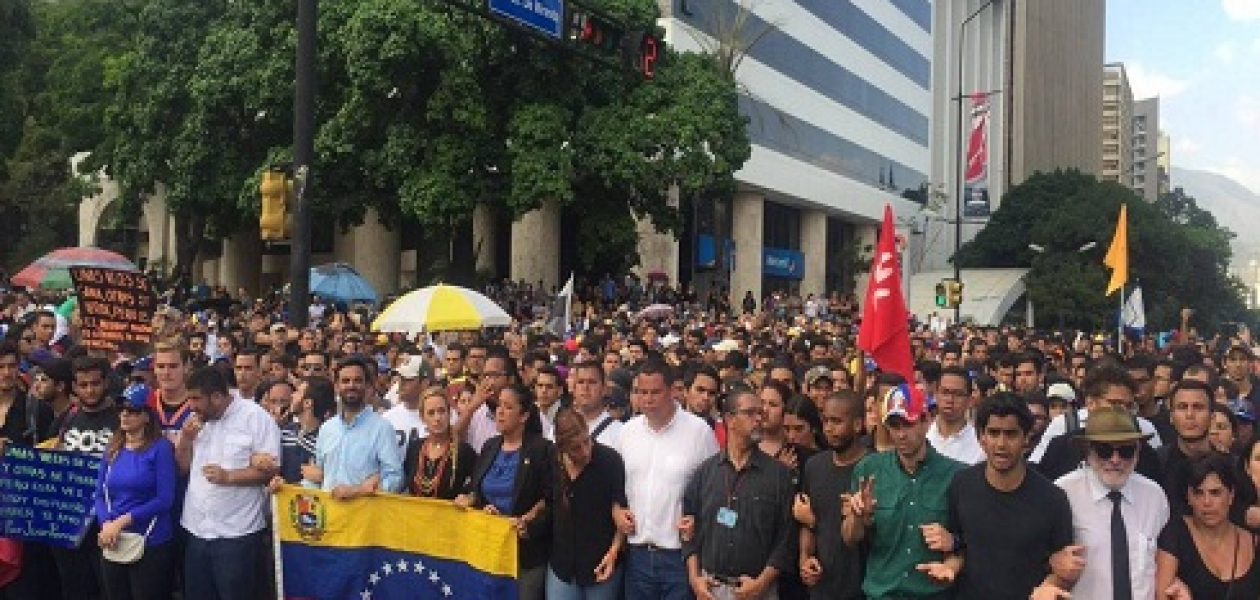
959 169
303 157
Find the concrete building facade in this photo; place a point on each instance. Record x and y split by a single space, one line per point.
1117 126
1145 149
1163 164
1040 66
838 95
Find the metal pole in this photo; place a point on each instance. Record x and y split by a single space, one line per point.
959 170
1120 325
303 157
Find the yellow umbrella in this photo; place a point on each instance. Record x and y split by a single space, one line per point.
440 308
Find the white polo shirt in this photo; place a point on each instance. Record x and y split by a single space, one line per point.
658 466
963 446
1145 511
229 511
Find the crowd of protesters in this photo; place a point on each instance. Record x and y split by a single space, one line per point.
708 452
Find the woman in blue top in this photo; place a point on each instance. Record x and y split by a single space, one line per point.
135 493
513 478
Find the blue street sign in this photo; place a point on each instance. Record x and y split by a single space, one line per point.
543 16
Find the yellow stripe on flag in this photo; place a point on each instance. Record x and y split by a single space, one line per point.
417 525
1117 258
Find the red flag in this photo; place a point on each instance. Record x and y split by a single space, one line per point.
885 331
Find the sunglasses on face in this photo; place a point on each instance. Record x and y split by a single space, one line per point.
1106 451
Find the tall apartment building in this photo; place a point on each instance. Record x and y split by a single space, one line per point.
1040 62
1145 149
1117 126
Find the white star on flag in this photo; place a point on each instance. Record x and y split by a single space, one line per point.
433 576
365 595
402 566
419 567
388 568
446 590
374 578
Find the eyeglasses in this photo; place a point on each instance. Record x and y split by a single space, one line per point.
28 339
1105 451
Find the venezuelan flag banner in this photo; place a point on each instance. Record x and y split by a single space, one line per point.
387 546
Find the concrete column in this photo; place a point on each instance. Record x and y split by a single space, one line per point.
814 247
658 251
866 237
748 213
157 218
241 263
536 246
374 250
484 247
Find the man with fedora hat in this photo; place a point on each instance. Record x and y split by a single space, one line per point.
1117 514
1104 386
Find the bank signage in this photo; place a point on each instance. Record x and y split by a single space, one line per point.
779 262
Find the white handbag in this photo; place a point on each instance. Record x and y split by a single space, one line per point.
129 547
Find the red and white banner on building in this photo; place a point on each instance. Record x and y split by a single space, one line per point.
976 181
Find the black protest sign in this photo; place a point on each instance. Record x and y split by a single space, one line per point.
115 306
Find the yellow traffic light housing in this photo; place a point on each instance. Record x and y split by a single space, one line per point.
941 298
273 223
954 293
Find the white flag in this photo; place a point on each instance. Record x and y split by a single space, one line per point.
558 321
1133 316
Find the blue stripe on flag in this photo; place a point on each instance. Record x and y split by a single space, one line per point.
318 573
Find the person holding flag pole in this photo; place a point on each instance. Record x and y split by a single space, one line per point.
1117 260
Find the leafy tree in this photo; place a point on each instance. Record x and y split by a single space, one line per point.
58 80
1177 251
422 111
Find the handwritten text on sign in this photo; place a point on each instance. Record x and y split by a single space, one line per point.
46 495
115 306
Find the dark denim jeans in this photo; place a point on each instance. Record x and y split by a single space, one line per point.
222 569
656 574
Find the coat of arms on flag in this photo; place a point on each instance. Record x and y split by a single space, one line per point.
387 546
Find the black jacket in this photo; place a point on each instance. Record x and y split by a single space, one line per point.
534 480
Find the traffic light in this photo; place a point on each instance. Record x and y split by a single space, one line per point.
954 293
595 31
273 224
941 298
641 52
606 38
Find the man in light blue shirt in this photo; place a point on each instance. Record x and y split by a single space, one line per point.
356 453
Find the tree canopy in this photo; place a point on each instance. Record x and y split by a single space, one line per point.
1177 252
422 110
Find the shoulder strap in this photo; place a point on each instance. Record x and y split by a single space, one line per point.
601 427
32 425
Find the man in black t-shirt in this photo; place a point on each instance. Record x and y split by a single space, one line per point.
93 420
1009 520
831 570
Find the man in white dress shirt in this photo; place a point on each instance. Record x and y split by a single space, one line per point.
661 449
225 507
952 433
1117 514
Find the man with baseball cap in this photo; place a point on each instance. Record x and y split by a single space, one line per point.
1117 514
908 484
413 377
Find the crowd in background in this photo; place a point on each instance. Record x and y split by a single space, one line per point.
704 451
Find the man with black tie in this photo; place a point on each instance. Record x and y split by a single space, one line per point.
1117 514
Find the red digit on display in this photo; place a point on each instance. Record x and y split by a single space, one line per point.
648 56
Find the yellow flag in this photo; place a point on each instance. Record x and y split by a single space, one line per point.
1117 258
